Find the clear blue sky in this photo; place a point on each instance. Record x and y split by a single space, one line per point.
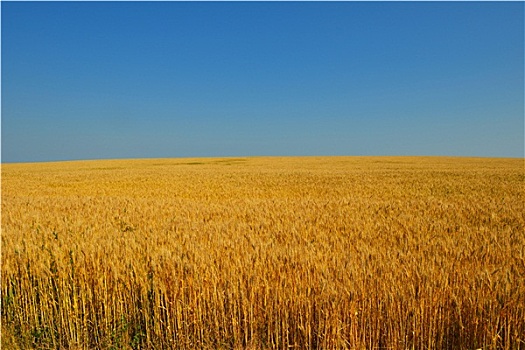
85 80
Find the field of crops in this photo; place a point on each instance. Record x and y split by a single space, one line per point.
258 253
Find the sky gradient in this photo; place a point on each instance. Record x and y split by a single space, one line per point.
88 80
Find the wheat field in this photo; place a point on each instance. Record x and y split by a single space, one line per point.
264 253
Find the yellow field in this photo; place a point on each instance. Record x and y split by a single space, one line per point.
313 252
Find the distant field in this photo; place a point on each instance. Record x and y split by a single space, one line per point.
257 253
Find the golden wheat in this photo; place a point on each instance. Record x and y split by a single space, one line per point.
313 252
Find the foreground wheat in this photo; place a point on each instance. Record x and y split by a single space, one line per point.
332 253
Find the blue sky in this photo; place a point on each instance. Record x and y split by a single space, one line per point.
87 80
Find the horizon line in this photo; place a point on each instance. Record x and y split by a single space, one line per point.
2 162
